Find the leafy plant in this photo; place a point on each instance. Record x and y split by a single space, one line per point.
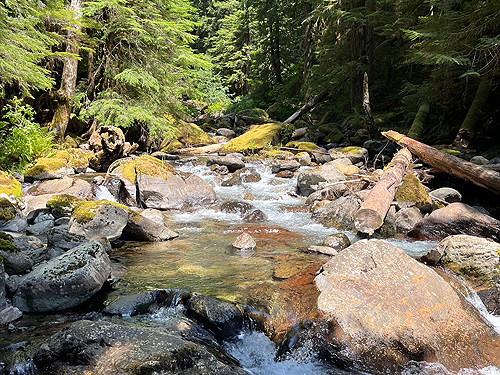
21 139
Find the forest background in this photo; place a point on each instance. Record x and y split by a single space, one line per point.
431 68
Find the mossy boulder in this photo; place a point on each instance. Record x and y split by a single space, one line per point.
10 186
49 168
191 134
334 135
15 262
255 139
98 219
354 153
158 185
307 146
412 190
12 218
62 204
65 281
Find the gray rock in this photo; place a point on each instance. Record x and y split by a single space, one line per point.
310 181
231 162
256 216
27 243
3 302
223 318
59 239
303 158
321 155
285 165
338 241
446 194
9 314
249 175
131 305
479 160
40 227
140 228
12 218
354 154
326 250
43 216
244 242
62 221
109 221
14 261
225 132
106 348
65 281
234 180
476 259
11 284
337 214
237 207
329 193
406 218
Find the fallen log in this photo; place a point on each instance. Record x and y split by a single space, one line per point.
371 214
210 149
447 163
307 107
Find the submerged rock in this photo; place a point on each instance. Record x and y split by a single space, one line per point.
223 318
65 281
384 308
456 218
106 348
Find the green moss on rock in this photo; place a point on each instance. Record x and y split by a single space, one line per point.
412 190
63 203
50 165
308 146
191 134
6 243
334 136
10 186
145 165
85 211
254 112
257 138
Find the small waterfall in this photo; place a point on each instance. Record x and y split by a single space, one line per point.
102 193
474 299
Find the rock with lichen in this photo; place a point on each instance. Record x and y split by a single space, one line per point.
413 191
10 186
12 218
65 281
62 204
98 219
153 183
353 153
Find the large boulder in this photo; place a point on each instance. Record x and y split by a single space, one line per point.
107 348
456 218
98 219
157 184
12 218
310 181
141 228
258 137
14 261
476 259
231 162
65 281
75 187
385 309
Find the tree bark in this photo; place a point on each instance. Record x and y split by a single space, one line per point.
468 128
307 47
446 163
417 127
367 110
371 214
307 107
68 80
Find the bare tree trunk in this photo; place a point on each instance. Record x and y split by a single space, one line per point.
68 80
417 127
307 48
307 107
367 111
447 163
371 214
468 128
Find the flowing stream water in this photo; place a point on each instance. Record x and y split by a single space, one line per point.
202 259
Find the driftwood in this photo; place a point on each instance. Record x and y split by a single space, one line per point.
307 107
371 214
210 149
447 163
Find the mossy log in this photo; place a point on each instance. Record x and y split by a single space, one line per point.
447 163
468 128
371 214
417 127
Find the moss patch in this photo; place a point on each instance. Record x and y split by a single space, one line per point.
352 150
6 243
85 211
450 151
63 203
412 190
50 165
254 112
334 136
10 186
308 146
191 134
7 210
257 138
144 165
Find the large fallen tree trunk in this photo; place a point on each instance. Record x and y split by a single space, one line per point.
417 127
210 149
307 107
371 214
447 163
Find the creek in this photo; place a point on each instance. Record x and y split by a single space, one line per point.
202 259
